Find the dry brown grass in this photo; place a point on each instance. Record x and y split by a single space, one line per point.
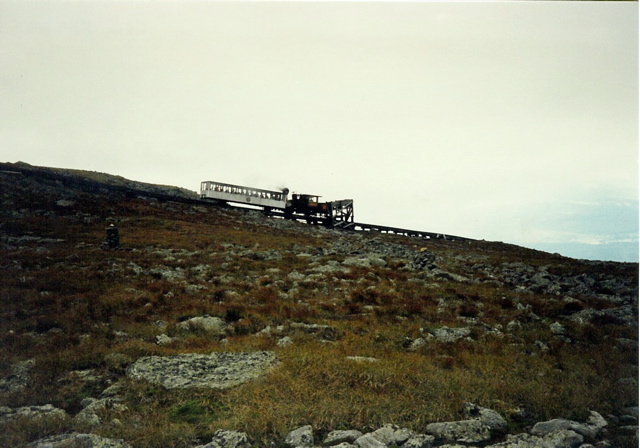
70 305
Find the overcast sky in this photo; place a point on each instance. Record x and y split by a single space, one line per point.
507 121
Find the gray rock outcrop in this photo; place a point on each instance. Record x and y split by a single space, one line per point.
216 371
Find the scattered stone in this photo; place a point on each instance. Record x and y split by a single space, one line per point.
417 344
163 339
557 439
557 328
419 441
219 370
228 439
368 441
362 359
463 431
589 430
46 411
207 324
364 262
446 334
324 331
480 428
392 435
75 439
339 437
92 407
301 437
489 417
285 341
19 376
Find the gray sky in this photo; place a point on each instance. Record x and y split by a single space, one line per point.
513 121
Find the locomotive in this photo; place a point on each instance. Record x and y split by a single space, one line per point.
306 207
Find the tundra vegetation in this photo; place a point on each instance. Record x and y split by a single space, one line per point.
368 329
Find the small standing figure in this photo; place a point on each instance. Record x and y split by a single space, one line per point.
113 237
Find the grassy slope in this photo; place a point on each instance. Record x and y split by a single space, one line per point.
73 307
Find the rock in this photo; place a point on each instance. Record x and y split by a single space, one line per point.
345 445
19 376
557 328
450 276
364 262
392 435
112 391
589 430
557 439
626 315
47 411
300 437
339 437
207 324
228 439
480 428
419 441
285 341
93 407
163 339
463 431
489 417
361 359
216 371
75 439
324 331
563 438
368 441
423 260
417 344
446 334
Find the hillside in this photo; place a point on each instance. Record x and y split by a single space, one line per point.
208 318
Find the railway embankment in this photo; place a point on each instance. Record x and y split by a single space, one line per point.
211 326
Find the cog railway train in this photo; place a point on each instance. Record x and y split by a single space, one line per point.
304 207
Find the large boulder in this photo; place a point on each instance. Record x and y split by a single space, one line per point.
216 371
590 430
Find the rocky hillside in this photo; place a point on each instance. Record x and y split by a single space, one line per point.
206 326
